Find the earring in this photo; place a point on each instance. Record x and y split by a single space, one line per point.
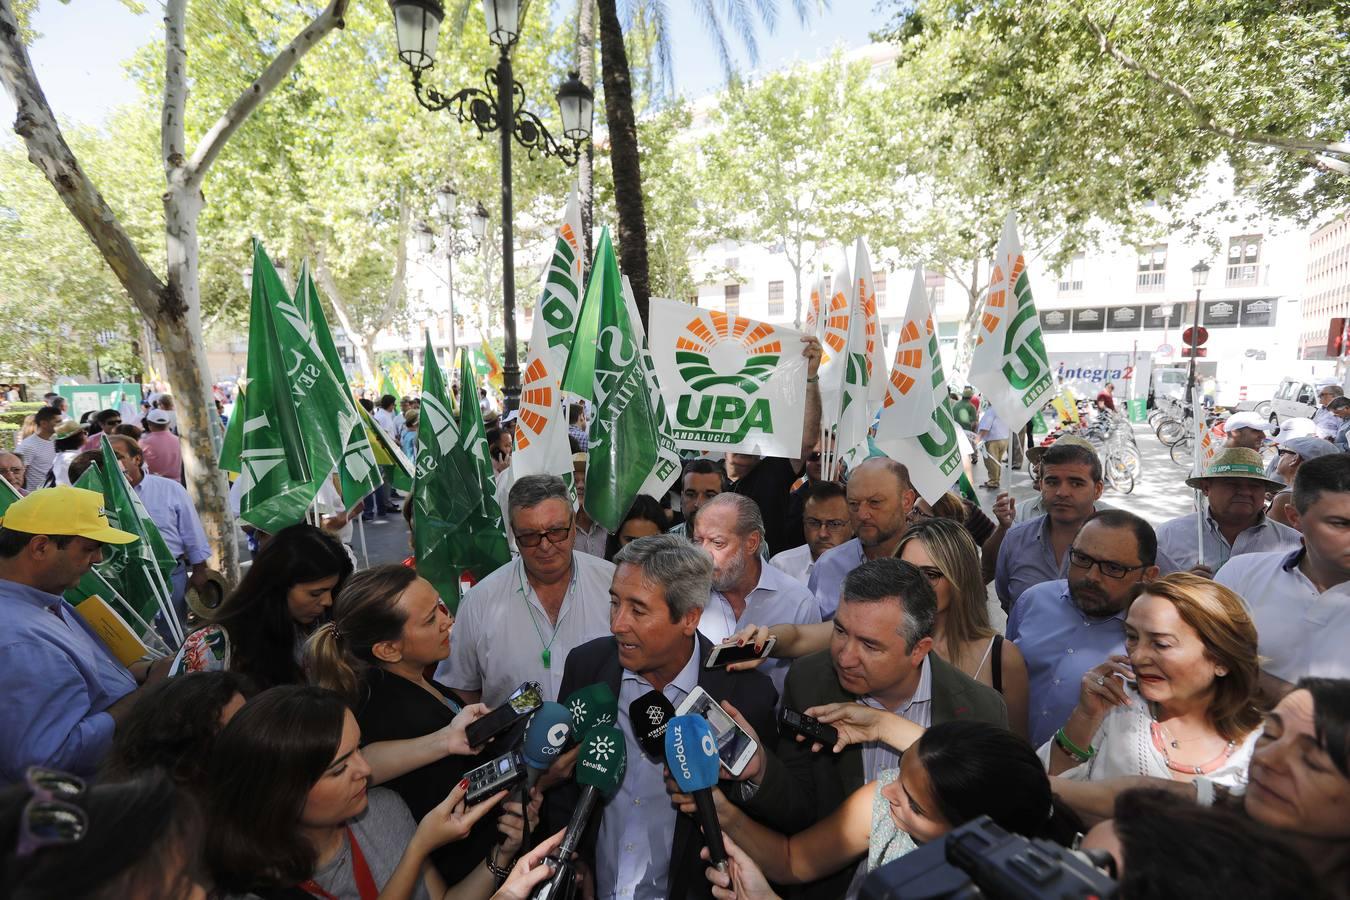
1219 673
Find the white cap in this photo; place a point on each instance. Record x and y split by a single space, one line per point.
158 417
1247 420
1294 428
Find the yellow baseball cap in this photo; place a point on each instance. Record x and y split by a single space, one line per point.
64 511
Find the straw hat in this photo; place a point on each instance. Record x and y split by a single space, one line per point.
204 602
1236 462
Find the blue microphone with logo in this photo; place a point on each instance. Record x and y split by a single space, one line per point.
547 734
691 756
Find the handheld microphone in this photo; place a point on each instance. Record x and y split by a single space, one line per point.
549 730
600 769
592 705
648 715
691 756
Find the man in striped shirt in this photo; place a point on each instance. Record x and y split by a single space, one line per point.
38 450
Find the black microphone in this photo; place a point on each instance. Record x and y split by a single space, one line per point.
648 715
600 768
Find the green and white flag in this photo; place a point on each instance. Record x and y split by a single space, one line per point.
855 405
668 462
833 330
139 573
456 523
606 366
874 347
560 300
1009 365
359 472
734 384
8 494
916 425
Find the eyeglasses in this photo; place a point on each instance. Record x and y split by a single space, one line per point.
1108 568
533 538
813 457
49 818
831 524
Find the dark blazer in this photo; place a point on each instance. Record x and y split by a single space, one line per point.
392 709
801 783
755 697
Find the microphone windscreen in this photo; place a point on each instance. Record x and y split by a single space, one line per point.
548 732
691 753
603 759
648 715
592 705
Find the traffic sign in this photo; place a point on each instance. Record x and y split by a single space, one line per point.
1165 350
1200 334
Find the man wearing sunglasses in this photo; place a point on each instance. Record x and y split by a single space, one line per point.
1066 627
519 623
63 690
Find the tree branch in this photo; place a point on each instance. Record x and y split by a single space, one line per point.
1203 117
48 150
214 140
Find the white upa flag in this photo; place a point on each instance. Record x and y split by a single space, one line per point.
832 330
729 383
1009 365
916 424
668 463
875 347
813 321
560 299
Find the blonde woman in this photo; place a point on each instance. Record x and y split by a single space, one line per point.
945 553
1180 703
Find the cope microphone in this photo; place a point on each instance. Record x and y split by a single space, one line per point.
691 756
547 734
592 705
648 715
600 767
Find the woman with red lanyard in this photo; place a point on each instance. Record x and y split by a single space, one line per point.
291 817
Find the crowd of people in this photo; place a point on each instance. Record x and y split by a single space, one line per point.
1173 702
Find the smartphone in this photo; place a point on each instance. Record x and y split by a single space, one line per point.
735 748
808 727
726 654
497 775
526 699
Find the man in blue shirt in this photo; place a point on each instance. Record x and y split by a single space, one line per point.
1064 628
63 691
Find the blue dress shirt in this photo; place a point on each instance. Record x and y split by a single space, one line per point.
1026 558
56 678
827 578
632 854
1060 643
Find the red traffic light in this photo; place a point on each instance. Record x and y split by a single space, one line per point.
1200 334
1336 338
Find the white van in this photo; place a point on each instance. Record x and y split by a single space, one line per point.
1295 398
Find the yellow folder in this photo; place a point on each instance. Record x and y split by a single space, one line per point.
113 631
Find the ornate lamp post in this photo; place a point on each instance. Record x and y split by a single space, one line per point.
447 201
1199 275
498 106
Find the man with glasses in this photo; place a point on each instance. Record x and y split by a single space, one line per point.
1235 521
702 479
11 469
519 623
107 422
1066 627
1327 422
826 525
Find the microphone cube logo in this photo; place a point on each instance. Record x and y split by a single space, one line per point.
655 715
557 736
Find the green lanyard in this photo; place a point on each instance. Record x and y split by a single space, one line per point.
546 657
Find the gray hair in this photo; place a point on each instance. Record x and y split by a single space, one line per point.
531 490
878 580
681 569
748 517
1335 389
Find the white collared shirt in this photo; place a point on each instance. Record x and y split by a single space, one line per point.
918 709
796 562
1302 631
775 599
500 630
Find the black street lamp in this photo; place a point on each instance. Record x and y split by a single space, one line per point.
447 202
1199 275
498 106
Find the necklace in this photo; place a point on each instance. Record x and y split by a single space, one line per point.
546 655
1161 741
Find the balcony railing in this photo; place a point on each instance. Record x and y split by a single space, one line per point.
1243 275
1150 281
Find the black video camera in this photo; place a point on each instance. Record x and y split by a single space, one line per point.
980 859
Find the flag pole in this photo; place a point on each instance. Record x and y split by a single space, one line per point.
1196 470
361 530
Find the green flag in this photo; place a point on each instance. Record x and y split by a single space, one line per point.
387 452
282 463
359 472
606 365
456 523
138 572
8 494
387 386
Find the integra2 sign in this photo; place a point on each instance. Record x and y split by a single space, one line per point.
1088 373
